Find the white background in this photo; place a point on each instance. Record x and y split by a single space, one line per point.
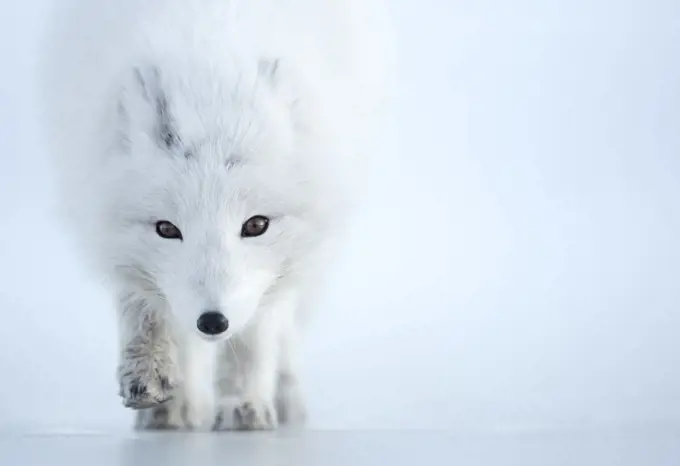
518 265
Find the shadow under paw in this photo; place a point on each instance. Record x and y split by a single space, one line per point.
167 416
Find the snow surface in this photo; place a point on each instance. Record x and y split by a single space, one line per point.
658 447
508 296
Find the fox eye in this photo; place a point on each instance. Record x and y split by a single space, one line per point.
254 226
167 230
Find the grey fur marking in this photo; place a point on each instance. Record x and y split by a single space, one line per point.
268 69
150 84
232 162
167 133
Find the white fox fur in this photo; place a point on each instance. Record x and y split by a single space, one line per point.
205 113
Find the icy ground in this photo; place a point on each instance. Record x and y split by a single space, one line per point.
510 295
585 447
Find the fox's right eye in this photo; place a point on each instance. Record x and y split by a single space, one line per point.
167 230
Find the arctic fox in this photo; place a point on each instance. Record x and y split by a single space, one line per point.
202 149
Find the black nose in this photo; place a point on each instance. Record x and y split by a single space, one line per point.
212 323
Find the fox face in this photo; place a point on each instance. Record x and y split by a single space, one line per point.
210 208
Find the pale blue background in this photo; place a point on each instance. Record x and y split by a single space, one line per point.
523 272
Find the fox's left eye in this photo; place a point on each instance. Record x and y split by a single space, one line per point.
167 230
254 226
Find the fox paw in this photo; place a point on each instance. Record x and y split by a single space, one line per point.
250 414
146 381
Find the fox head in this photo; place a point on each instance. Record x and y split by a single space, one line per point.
212 199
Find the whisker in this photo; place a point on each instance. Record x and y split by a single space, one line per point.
233 350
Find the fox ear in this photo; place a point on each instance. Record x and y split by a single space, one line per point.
144 107
269 70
